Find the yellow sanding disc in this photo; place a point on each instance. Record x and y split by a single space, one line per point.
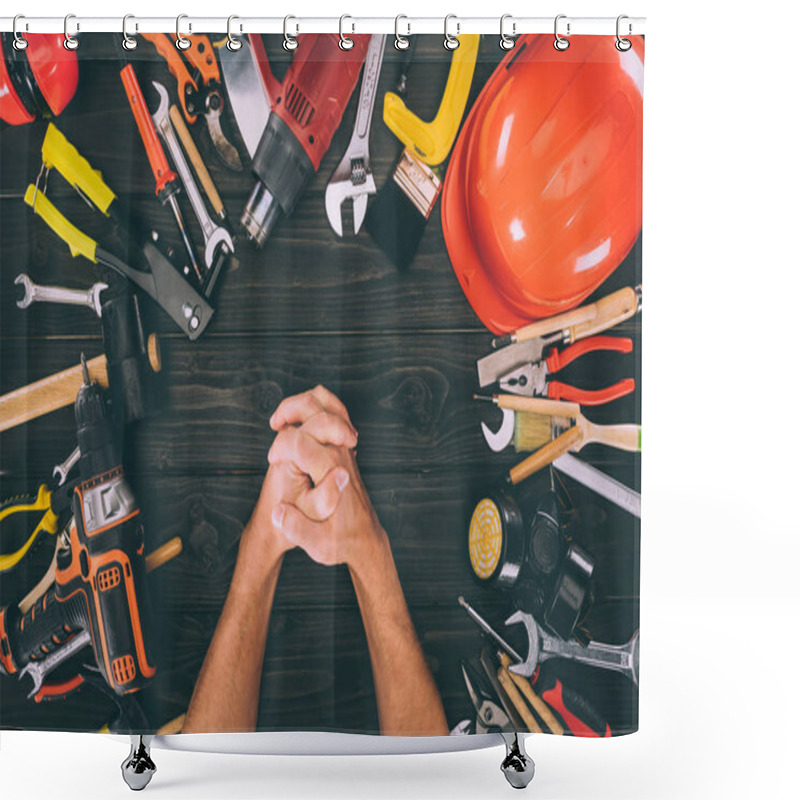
485 538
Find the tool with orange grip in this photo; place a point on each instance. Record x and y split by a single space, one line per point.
199 88
167 184
531 379
100 594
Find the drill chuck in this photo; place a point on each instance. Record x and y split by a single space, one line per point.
94 429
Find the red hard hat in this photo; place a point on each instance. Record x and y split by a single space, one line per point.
542 196
39 80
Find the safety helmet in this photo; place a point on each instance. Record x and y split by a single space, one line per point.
542 196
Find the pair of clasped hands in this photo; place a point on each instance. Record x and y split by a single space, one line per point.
313 496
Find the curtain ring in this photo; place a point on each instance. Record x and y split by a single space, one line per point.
507 42
401 42
451 42
233 44
560 43
345 42
129 42
181 42
289 42
70 42
20 42
623 45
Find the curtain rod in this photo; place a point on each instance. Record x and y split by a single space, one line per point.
300 24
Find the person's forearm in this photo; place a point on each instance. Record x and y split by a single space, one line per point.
227 692
408 700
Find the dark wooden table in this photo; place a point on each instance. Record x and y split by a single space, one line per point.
398 348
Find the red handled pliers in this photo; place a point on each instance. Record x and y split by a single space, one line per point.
531 379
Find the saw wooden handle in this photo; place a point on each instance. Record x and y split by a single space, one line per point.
197 162
546 455
61 389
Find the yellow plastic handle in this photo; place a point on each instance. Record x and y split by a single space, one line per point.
48 523
77 171
79 243
432 141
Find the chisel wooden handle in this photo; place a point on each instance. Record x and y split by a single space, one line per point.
197 161
539 405
546 455
610 311
539 705
504 677
560 322
48 394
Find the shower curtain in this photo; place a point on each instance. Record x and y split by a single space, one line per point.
359 425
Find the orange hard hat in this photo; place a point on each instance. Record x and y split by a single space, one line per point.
542 196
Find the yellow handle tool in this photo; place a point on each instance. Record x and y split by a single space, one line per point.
58 153
79 243
19 511
431 141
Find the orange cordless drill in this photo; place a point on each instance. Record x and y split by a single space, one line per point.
100 592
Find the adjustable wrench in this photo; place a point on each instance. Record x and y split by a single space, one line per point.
352 179
622 658
39 670
59 294
214 235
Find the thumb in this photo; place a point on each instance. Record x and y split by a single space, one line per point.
315 538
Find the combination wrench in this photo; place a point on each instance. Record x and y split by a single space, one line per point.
214 235
622 658
352 179
59 294
39 670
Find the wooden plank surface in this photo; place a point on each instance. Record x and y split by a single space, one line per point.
399 348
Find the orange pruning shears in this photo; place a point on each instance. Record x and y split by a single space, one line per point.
199 90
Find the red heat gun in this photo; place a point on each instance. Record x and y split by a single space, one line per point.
307 108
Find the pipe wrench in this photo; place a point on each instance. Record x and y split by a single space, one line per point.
217 239
200 90
352 179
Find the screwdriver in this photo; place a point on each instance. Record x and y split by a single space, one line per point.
167 185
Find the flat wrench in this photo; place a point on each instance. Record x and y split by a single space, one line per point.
353 179
59 294
39 670
622 658
213 235
62 470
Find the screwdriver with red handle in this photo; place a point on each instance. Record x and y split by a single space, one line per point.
167 184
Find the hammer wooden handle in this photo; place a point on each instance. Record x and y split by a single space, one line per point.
48 394
61 389
197 161
539 705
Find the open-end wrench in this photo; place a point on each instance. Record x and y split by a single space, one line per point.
214 235
352 179
622 658
59 294
39 670
61 471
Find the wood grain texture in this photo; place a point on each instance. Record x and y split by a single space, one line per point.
399 348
